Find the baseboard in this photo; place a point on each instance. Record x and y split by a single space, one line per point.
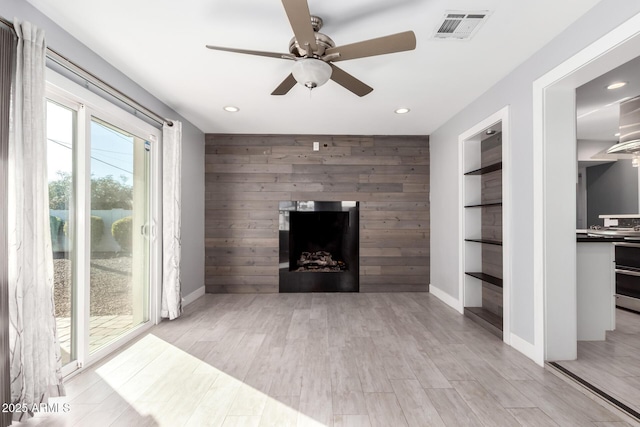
188 299
446 298
525 348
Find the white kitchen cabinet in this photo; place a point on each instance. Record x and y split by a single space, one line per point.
595 290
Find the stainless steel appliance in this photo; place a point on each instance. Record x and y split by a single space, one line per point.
627 261
628 232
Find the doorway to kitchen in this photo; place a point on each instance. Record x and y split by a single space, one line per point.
557 295
608 252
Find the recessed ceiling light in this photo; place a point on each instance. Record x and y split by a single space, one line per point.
616 134
490 132
231 109
402 110
616 85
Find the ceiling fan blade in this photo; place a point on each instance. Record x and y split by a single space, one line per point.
285 86
399 42
349 82
300 20
253 52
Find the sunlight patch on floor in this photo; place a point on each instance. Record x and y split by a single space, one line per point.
155 383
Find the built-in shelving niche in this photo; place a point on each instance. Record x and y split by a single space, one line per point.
483 230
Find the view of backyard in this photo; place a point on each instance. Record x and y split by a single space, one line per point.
116 257
110 286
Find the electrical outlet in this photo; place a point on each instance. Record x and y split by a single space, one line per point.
316 146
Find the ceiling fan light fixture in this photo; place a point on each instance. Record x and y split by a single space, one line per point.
311 72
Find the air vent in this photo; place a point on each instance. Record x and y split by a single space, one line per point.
460 25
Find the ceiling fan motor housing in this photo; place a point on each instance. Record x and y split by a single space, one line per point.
323 42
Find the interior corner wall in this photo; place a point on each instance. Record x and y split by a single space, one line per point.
516 90
247 175
192 276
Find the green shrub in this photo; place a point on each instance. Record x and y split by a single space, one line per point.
97 231
121 231
56 224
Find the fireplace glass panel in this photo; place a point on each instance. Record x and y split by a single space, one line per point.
319 246
317 238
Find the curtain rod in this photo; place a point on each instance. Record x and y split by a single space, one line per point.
97 82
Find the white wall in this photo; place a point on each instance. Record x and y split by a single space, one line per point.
588 148
514 90
193 139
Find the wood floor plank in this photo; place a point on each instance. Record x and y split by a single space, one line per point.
452 408
384 410
562 410
416 405
612 424
370 367
348 398
613 365
281 412
483 404
241 421
288 372
248 401
214 404
327 360
502 390
423 367
532 417
351 421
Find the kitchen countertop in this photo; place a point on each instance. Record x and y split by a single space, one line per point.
583 237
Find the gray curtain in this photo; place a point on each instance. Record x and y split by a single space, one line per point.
7 47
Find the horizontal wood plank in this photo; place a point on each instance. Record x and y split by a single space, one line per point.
394 288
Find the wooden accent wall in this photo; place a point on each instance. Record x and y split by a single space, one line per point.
247 175
491 152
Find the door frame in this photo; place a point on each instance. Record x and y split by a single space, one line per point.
88 104
554 168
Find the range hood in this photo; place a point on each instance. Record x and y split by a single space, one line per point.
629 128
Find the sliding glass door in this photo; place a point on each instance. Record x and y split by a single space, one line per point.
119 257
102 204
61 143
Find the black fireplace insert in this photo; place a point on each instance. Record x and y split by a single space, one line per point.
319 246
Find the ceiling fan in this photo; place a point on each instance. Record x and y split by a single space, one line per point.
314 52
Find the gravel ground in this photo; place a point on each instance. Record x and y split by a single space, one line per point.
110 286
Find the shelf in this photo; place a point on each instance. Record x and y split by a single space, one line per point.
484 205
486 278
486 241
486 319
487 169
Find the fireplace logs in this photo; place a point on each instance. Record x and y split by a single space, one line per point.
319 261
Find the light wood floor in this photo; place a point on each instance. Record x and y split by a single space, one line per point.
279 360
613 365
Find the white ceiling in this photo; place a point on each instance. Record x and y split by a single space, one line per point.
598 109
160 45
